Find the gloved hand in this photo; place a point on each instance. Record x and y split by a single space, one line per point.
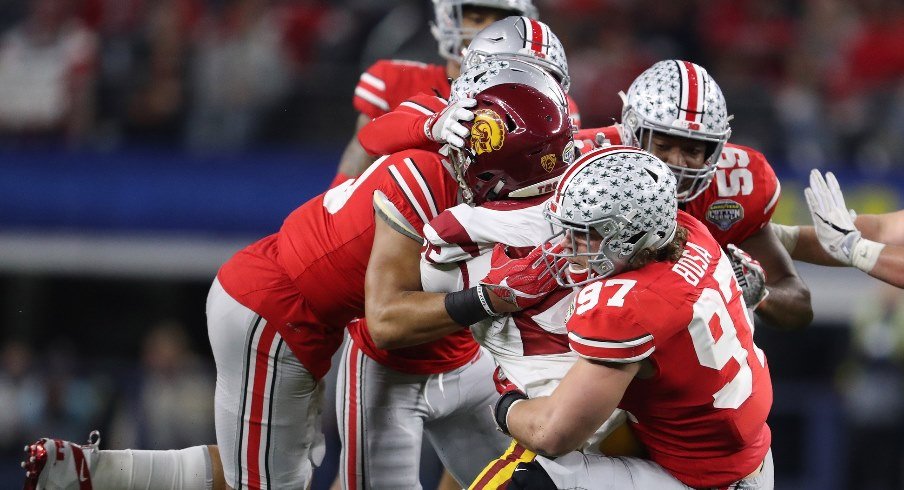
834 224
522 282
750 274
503 384
446 127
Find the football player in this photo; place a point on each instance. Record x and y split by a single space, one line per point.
662 332
871 243
411 368
277 309
388 83
426 121
676 111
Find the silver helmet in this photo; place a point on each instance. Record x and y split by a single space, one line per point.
496 71
620 197
678 98
524 39
447 26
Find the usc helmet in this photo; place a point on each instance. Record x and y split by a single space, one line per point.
447 28
623 194
523 39
520 140
678 98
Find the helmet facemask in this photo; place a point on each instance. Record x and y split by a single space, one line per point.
617 203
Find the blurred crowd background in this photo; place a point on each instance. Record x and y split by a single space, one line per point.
262 89
811 81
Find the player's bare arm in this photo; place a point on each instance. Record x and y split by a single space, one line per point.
585 398
354 159
398 313
788 304
803 244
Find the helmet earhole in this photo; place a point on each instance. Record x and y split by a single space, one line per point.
510 123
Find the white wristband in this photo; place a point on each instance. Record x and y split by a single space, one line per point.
509 411
788 235
865 254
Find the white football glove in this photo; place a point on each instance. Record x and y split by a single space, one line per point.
446 127
750 274
834 224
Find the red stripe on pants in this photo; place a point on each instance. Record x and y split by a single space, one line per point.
351 427
259 395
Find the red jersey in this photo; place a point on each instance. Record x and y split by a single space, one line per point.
403 128
308 279
702 414
387 83
740 199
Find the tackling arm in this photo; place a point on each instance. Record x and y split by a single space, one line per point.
788 304
803 244
395 131
557 424
398 313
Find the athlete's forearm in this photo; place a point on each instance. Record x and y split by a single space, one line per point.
410 318
788 304
890 266
394 132
809 250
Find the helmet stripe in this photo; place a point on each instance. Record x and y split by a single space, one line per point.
692 97
536 37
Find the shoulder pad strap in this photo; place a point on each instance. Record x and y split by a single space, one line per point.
388 212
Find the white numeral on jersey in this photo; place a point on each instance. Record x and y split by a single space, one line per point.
336 197
590 295
713 353
732 176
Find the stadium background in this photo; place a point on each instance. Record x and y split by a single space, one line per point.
142 142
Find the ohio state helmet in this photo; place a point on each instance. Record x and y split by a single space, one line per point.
495 71
625 195
519 145
678 98
447 28
520 38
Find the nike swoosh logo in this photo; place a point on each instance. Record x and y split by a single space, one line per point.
834 226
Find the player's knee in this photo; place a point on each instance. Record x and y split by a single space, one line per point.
531 476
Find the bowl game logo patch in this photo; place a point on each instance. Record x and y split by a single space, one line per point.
487 132
724 213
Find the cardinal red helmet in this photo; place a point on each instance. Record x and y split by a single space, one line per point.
519 146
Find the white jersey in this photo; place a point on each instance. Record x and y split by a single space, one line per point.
531 347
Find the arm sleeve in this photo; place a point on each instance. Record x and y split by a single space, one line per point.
573 112
370 93
401 129
417 188
605 334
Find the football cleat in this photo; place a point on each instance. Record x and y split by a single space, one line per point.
54 464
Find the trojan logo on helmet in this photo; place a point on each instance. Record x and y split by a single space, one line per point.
487 131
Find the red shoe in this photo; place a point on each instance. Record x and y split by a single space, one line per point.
54 464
